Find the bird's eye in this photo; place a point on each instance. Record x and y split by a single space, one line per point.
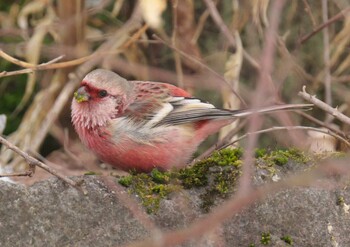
102 93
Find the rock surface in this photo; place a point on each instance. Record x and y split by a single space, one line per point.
50 213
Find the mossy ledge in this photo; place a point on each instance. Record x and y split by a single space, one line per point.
215 177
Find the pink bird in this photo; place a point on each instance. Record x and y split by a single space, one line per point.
142 125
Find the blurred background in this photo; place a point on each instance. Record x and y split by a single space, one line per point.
218 50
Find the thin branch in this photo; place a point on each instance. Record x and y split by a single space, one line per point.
17 72
201 22
309 11
177 58
327 108
326 55
15 60
328 132
263 87
29 68
335 18
25 64
136 36
214 13
34 162
321 123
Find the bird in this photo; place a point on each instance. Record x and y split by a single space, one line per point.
142 125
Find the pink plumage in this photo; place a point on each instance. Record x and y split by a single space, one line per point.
142 125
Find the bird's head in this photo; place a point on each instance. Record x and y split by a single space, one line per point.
102 95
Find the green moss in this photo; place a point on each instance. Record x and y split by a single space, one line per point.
125 181
215 177
227 157
218 173
340 201
148 188
160 177
287 239
265 238
260 152
196 175
282 157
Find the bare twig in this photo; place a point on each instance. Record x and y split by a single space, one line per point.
225 30
328 132
33 162
219 22
327 108
335 18
17 72
177 57
202 19
261 90
309 11
326 55
321 123
15 60
135 36
29 68
25 64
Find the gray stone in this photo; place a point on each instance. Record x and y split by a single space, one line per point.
50 213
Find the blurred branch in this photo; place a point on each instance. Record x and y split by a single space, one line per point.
32 163
327 108
263 87
202 19
279 128
309 11
174 42
321 123
326 55
25 64
29 67
225 30
335 18
214 13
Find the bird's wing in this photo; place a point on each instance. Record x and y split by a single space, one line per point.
165 104
159 104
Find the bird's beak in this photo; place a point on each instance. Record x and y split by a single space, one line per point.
81 95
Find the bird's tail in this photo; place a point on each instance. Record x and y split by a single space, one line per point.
267 109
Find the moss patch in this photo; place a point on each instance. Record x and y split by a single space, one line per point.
215 178
287 239
281 157
150 188
265 238
219 173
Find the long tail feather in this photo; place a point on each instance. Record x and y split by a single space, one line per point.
289 107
